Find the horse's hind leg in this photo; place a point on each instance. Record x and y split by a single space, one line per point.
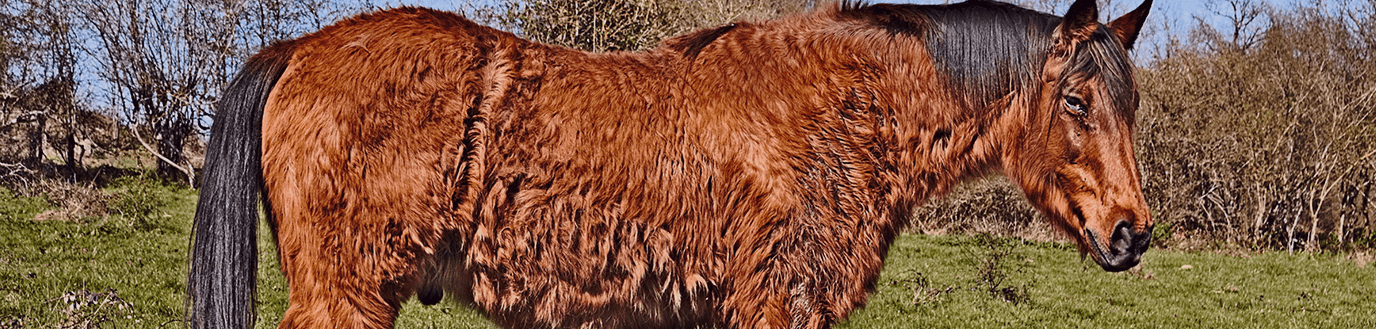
352 255
339 277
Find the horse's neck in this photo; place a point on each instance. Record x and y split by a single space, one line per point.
875 111
931 136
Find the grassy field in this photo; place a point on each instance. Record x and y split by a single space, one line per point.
124 272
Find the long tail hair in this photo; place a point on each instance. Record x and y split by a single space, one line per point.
221 283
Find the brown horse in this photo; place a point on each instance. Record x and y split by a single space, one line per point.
747 176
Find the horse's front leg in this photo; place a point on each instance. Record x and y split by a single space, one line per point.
812 276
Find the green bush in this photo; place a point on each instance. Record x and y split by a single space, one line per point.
137 199
1161 234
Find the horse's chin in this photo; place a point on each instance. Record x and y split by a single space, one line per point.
1100 256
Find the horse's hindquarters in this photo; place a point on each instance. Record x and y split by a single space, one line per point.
363 150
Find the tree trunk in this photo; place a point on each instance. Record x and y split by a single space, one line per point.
170 135
36 136
1290 233
1261 211
1310 245
70 153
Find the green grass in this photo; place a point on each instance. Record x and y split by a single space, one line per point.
143 264
930 281
1269 290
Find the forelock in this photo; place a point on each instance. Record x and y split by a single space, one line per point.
1104 57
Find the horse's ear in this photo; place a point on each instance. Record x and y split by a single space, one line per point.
1080 21
1127 27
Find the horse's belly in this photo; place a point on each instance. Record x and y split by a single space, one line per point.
578 259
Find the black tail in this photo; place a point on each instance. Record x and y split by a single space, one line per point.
221 284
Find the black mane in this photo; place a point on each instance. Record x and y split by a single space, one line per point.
988 49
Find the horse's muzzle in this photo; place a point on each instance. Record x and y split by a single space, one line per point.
1125 246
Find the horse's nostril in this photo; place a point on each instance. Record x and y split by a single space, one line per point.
1122 239
1140 240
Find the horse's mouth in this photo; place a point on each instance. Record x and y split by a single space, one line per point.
1124 252
1097 251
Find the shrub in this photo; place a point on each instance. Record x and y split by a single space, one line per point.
137 199
71 202
992 205
628 25
1263 144
997 263
924 291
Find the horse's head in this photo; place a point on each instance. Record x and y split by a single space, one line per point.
1074 158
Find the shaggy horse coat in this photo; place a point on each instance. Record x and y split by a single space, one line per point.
747 176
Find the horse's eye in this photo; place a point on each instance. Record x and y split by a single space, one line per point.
1075 104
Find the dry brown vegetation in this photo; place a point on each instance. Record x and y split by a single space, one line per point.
628 25
86 81
1266 144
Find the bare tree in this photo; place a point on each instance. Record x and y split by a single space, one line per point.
39 84
1244 22
161 64
20 44
58 94
263 22
165 61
